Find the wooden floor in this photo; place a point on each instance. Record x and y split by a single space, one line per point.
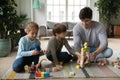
6 62
85 79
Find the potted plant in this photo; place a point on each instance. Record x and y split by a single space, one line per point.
21 21
8 25
108 9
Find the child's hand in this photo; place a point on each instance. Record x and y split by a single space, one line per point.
34 52
61 63
77 54
44 51
37 66
59 67
78 61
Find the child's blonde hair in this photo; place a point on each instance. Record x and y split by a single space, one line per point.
30 26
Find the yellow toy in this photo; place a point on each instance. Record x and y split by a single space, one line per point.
85 53
77 66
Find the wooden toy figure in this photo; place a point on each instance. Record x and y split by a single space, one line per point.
85 52
27 69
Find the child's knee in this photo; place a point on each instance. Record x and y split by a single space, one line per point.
18 65
16 68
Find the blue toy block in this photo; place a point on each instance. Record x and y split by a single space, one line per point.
35 47
46 74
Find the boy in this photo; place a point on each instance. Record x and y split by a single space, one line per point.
55 45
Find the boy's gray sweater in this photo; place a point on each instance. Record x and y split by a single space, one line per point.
55 46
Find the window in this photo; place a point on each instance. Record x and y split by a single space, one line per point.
64 10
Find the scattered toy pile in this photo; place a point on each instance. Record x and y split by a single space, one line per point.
30 68
116 63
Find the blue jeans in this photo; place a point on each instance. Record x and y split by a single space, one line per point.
105 54
18 65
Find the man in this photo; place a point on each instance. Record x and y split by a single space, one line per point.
95 34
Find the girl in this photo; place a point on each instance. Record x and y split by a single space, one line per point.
29 48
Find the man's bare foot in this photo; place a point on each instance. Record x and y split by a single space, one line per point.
102 61
99 61
105 61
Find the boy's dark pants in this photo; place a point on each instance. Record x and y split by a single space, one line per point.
62 57
18 65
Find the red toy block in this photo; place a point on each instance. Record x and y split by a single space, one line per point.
38 74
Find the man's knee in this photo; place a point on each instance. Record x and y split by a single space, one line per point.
108 52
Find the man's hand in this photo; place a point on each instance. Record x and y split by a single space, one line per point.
96 52
93 56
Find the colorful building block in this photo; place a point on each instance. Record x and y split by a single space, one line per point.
40 74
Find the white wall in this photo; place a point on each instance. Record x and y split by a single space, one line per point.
40 15
95 11
18 6
37 15
24 7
